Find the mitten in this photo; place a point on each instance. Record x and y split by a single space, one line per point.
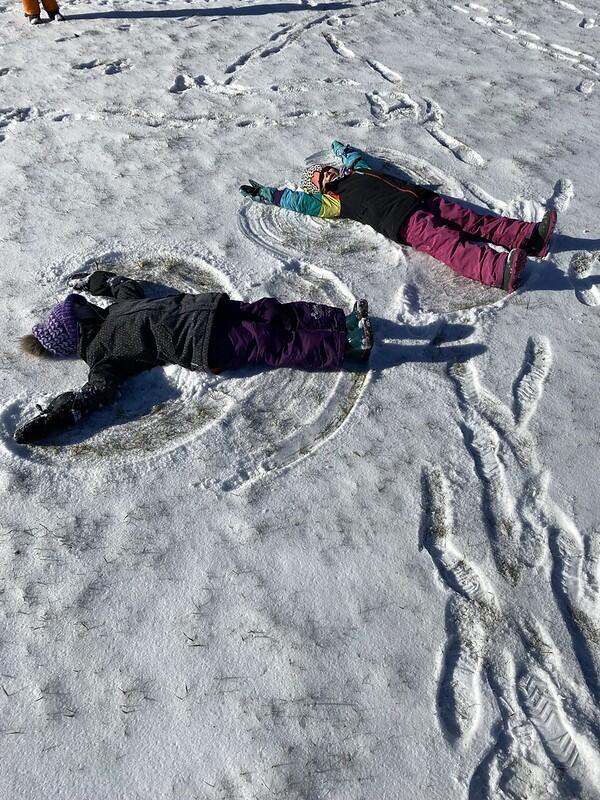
79 281
56 417
35 429
96 282
100 283
254 190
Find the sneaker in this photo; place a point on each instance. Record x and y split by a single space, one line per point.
515 261
539 243
35 21
56 17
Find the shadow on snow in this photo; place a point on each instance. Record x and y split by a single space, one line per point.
225 11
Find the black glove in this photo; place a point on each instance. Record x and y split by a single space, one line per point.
264 194
96 282
78 282
250 190
37 428
58 416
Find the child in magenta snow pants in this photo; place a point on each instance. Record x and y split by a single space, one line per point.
401 210
450 232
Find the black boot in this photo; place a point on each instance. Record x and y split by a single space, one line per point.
539 242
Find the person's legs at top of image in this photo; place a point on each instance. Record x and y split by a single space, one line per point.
31 9
51 8
503 231
426 232
533 237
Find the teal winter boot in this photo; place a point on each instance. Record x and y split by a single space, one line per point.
359 336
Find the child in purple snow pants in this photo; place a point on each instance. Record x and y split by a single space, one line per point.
299 334
206 332
450 232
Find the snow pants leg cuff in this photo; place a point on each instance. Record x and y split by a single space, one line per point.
50 7
31 8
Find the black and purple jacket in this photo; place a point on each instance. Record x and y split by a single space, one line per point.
361 193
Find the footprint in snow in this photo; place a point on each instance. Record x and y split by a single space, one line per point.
8 116
109 68
117 66
586 286
182 83
491 642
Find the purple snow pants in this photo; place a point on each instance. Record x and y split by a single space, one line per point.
453 234
305 335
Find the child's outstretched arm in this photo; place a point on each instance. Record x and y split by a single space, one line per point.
68 408
326 206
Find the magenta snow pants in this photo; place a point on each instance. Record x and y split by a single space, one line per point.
305 335
453 234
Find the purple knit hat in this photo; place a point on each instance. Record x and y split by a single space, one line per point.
58 333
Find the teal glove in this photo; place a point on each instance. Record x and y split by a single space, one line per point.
338 148
262 194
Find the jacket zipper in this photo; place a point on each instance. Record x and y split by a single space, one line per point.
389 183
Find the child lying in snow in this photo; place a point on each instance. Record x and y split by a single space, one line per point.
32 10
198 331
414 215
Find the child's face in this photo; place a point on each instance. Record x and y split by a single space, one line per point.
327 177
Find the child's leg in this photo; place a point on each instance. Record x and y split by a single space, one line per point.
320 337
51 7
503 231
31 8
305 335
428 233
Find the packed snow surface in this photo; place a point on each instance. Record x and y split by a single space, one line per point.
354 586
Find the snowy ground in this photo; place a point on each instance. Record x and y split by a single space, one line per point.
370 585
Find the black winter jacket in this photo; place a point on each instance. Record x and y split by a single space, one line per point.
132 335
378 200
